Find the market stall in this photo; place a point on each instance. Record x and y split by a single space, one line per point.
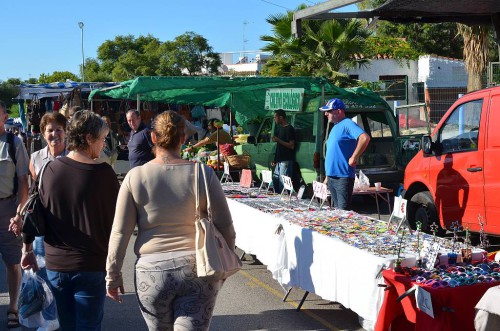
335 254
448 307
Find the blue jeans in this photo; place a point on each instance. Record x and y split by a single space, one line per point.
79 298
282 168
38 246
341 191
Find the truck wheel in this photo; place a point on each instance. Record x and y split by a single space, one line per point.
421 208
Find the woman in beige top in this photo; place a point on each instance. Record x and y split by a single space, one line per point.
159 197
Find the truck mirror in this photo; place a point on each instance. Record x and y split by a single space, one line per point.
251 140
427 145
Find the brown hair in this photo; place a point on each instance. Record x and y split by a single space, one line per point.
57 118
84 122
169 129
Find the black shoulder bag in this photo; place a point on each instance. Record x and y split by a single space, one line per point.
32 212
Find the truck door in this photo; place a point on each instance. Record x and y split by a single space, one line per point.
457 172
491 166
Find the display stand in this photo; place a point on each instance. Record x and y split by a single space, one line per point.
246 178
398 212
320 192
377 193
287 186
267 180
226 176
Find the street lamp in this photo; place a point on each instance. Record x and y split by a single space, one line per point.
80 25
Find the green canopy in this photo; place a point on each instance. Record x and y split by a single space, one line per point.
244 95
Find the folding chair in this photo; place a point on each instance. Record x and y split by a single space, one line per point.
267 180
226 176
287 186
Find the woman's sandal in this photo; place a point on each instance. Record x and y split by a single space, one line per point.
12 320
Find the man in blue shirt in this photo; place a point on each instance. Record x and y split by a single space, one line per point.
140 146
346 142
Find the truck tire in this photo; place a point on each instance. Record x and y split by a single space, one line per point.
421 208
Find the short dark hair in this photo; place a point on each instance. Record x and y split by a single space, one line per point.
280 112
85 122
134 111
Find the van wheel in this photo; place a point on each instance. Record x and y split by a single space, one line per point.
421 208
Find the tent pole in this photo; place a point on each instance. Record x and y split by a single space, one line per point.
320 120
139 103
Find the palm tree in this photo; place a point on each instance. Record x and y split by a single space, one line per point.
476 53
324 48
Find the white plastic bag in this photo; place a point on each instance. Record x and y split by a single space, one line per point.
34 296
364 182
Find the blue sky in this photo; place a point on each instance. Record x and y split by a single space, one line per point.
43 36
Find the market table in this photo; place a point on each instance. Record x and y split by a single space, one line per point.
376 193
453 307
314 262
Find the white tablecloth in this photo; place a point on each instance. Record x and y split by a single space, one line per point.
317 263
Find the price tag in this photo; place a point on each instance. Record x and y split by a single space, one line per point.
246 178
320 190
429 254
424 301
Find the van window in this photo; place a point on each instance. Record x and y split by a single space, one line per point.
265 133
460 131
304 127
379 129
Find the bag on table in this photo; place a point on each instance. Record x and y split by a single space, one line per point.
215 260
32 212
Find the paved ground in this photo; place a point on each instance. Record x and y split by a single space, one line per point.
250 300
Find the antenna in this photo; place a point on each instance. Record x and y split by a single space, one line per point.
245 40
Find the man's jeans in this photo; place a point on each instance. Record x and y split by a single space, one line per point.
341 191
282 168
79 298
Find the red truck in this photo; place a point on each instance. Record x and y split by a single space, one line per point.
456 175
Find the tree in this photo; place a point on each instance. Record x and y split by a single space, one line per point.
190 52
94 72
324 48
441 39
9 91
476 53
57 76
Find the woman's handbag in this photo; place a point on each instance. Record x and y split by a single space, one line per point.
215 260
32 212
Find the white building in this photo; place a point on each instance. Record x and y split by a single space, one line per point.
246 63
435 80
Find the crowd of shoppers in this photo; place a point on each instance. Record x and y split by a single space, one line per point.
89 220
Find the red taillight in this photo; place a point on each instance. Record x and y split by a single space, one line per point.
316 160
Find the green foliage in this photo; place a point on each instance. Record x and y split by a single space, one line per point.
324 48
395 48
8 91
57 76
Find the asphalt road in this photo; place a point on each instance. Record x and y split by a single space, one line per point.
249 300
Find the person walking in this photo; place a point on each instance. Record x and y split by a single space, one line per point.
346 142
160 198
284 157
53 129
140 144
13 194
79 195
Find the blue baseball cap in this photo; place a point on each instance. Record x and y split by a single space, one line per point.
333 104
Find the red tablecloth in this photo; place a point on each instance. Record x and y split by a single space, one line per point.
453 307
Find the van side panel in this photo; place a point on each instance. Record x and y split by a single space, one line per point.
492 166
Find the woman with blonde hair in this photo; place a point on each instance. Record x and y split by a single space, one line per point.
79 195
159 197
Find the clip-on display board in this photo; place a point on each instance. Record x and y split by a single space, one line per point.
246 178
